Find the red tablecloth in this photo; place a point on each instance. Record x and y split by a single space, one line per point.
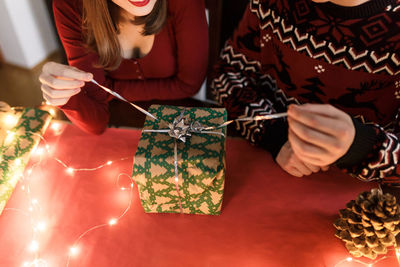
268 217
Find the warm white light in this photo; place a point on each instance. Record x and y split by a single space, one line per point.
34 246
349 259
123 188
52 111
9 138
39 151
56 126
35 201
23 187
131 185
70 171
47 147
29 171
18 162
10 120
109 162
176 179
113 222
41 226
73 251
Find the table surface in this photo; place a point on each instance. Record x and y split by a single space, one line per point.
268 218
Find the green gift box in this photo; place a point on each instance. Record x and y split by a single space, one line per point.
199 186
16 145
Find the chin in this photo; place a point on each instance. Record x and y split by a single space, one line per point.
136 8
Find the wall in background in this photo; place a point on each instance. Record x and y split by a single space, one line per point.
26 34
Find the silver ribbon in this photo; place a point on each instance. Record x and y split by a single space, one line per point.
181 128
123 99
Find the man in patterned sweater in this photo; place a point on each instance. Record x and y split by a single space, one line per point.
340 58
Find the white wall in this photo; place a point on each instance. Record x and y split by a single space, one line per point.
26 35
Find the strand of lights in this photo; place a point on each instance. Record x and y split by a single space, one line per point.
74 250
370 264
38 225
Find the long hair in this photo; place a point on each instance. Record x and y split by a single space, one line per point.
100 28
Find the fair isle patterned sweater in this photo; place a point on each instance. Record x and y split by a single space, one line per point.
286 51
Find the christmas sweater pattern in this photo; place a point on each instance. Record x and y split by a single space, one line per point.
286 52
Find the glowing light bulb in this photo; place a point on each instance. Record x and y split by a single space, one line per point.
73 251
131 185
109 162
34 246
123 188
41 226
9 138
349 259
70 170
29 171
112 222
39 151
10 120
176 179
23 187
47 147
35 201
18 162
52 111
56 126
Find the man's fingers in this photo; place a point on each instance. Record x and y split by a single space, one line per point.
313 120
312 167
311 135
66 93
321 109
67 72
325 168
302 148
295 172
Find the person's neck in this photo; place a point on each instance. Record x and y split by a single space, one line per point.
348 3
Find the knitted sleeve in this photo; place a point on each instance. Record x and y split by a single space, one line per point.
241 87
375 153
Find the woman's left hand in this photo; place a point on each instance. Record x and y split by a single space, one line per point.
319 134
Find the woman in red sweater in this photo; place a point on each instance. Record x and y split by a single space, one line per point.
142 49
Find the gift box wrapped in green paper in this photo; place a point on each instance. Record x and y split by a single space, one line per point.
186 173
17 143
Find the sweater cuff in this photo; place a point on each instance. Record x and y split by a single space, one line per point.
364 140
275 136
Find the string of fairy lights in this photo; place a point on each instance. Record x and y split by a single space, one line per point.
39 226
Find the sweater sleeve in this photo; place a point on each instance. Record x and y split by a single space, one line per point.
240 85
374 154
89 109
191 34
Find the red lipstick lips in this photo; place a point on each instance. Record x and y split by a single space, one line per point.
140 3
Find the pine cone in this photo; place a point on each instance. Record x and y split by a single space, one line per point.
369 224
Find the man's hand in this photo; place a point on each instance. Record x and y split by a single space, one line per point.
319 134
293 165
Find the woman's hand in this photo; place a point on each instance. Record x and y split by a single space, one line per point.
293 165
319 134
60 82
